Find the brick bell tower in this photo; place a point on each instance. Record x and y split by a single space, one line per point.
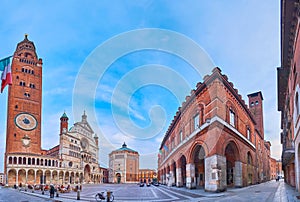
256 108
64 123
23 134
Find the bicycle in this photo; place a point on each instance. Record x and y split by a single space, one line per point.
103 196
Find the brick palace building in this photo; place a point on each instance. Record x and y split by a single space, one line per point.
74 160
147 175
289 90
215 140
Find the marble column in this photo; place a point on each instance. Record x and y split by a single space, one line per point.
190 175
179 177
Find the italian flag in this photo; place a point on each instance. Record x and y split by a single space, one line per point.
5 66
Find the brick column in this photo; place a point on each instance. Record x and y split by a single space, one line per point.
190 175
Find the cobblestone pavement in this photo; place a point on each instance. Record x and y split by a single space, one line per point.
269 191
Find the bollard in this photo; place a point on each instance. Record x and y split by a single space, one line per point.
108 196
43 191
78 195
57 193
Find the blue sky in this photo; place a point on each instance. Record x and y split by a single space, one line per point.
141 90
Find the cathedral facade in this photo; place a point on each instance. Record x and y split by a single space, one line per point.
74 160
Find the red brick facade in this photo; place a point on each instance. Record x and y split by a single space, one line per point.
289 90
25 96
214 138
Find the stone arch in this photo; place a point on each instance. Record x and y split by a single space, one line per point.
54 177
10 160
72 178
15 160
182 166
67 178
12 177
233 164
173 173
20 160
198 155
118 178
235 147
22 177
30 177
81 177
77 179
87 173
48 176
250 168
191 151
39 177
24 161
61 177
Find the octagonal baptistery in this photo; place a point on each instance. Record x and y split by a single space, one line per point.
211 142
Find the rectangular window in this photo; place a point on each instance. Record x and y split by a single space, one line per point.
180 135
232 118
248 134
196 122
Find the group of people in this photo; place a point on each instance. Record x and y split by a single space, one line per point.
52 189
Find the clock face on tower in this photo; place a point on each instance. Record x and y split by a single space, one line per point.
26 121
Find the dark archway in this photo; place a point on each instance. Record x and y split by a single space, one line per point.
174 174
231 154
183 170
198 158
249 168
118 176
87 172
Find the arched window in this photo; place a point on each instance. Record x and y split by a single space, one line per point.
249 158
33 161
29 161
20 160
15 160
38 162
232 117
297 103
196 121
10 160
248 133
24 160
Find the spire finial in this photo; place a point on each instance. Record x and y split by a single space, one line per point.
26 35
